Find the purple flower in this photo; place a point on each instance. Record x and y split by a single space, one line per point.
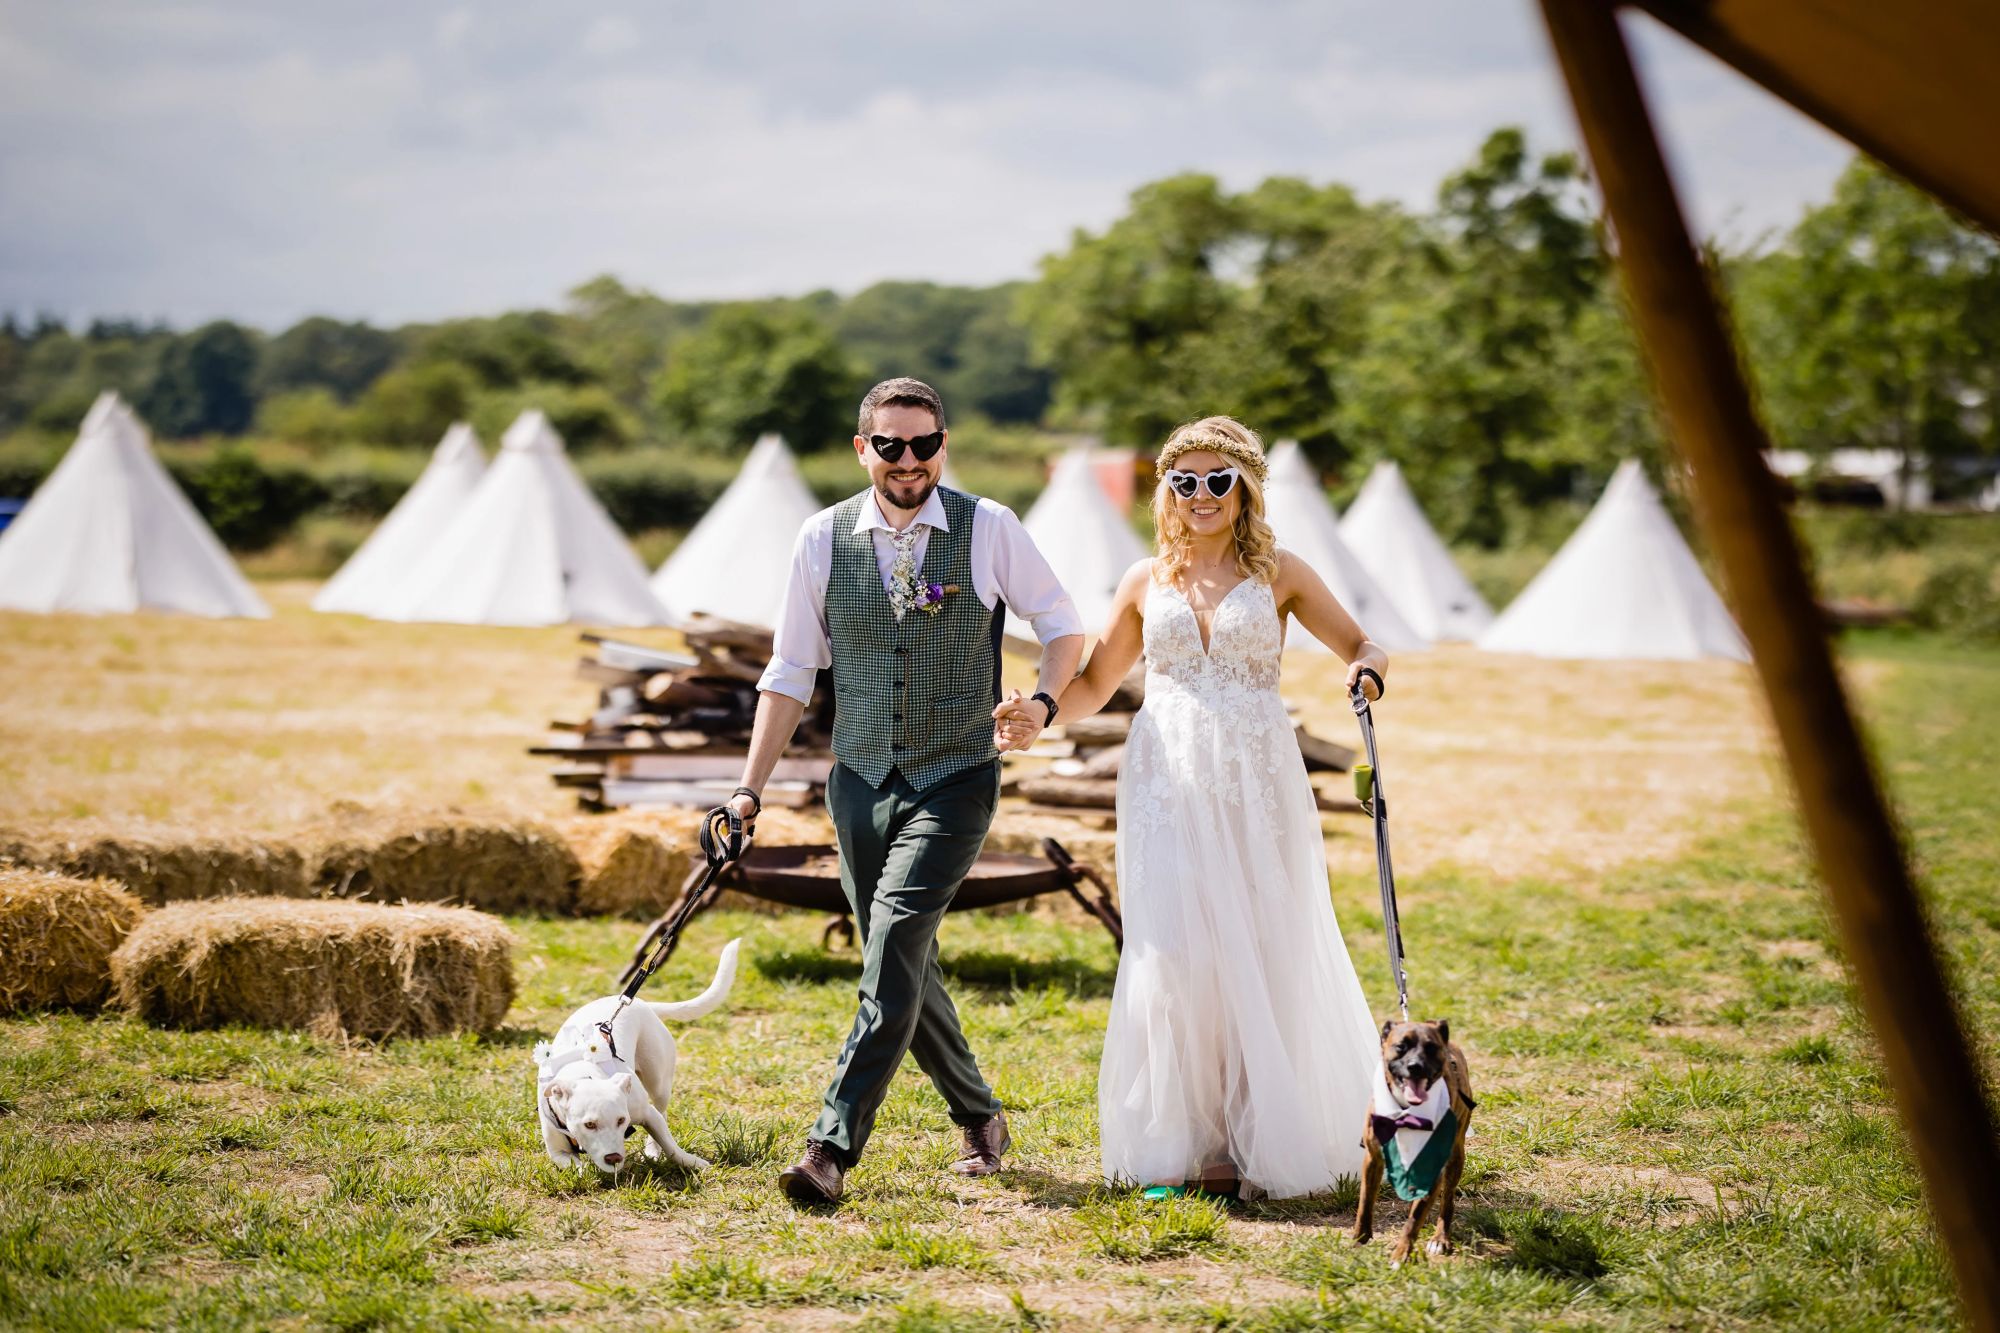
936 591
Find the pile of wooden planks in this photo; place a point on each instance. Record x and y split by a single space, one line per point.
672 728
1081 775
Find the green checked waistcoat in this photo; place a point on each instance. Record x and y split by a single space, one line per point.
914 695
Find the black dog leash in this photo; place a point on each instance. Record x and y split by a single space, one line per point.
724 837
1368 790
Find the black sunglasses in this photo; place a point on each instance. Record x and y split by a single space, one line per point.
925 447
1219 482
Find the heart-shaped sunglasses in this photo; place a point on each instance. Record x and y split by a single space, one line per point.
925 447
1218 483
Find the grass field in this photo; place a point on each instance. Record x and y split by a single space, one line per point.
1682 1122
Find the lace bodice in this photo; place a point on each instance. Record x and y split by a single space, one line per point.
1244 642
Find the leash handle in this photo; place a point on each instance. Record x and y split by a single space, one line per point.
723 835
1358 697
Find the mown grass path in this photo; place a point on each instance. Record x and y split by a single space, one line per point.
1682 1125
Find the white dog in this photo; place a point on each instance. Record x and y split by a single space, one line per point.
586 1096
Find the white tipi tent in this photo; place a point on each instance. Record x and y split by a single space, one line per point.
1388 533
738 559
1297 510
1625 585
109 531
530 546
1087 541
375 575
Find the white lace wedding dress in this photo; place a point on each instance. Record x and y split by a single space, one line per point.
1239 1033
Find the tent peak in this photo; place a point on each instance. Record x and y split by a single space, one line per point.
531 432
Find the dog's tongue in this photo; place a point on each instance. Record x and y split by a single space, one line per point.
1415 1088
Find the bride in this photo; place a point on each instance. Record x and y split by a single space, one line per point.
1241 1052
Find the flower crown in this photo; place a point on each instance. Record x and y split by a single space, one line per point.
1247 455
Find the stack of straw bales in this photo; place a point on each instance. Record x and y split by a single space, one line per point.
57 935
497 866
631 863
336 969
169 865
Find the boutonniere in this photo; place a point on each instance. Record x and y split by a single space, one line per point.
909 593
930 596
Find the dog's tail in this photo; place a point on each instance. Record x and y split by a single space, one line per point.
709 1000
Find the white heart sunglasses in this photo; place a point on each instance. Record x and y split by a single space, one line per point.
1186 484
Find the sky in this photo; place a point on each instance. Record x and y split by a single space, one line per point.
393 160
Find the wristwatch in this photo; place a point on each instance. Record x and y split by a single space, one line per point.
1047 703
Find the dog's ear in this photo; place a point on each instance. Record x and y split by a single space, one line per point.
623 1082
558 1095
1386 1025
1444 1029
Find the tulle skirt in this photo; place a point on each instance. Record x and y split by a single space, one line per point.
1239 1033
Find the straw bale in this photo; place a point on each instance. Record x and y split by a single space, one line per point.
57 935
169 865
497 866
335 969
635 861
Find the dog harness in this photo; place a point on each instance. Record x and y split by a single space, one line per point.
1416 1140
576 1041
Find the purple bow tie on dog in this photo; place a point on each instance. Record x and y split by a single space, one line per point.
1387 1125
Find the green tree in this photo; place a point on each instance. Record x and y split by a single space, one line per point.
1197 301
1876 324
312 417
995 374
414 404
205 383
1461 376
619 336
1119 315
587 417
757 367
48 376
326 353
968 342
520 347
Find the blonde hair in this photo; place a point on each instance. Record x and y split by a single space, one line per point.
1256 546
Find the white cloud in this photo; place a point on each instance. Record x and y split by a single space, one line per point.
380 162
610 35
453 26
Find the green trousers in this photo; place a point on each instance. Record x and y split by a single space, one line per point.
902 855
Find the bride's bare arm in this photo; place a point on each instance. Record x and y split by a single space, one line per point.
1112 658
1300 592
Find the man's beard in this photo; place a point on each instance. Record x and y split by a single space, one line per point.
882 488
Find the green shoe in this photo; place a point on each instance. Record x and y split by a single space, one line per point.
1161 1193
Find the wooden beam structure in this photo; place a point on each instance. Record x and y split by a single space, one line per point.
1692 358
1911 83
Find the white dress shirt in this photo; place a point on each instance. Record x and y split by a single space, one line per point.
1006 564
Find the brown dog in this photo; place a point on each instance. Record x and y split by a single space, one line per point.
1416 1058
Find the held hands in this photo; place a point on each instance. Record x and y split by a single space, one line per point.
1017 722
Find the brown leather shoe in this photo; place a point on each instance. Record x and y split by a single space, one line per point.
815 1177
984 1142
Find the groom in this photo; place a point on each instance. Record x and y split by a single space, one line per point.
902 590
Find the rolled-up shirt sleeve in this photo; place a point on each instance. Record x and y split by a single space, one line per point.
1022 575
800 646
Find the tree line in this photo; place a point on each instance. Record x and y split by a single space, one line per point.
1480 343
